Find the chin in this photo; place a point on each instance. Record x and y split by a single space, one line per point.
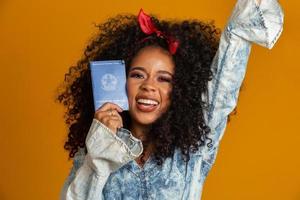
145 119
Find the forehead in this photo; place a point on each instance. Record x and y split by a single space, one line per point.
153 58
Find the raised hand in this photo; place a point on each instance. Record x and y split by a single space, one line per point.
108 114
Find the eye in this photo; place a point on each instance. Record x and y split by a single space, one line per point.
165 79
136 75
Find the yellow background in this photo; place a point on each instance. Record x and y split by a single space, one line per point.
259 155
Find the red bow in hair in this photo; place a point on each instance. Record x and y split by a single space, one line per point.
148 27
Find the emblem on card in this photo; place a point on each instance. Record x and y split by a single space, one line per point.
109 82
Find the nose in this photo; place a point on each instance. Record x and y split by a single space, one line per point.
148 85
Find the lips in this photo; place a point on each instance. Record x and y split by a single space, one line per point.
146 104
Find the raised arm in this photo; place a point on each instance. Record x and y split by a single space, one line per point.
106 153
251 22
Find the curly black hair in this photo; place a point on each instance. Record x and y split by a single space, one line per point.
182 125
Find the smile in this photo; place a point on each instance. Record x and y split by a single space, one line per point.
147 105
147 101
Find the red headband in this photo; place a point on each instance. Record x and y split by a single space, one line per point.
148 27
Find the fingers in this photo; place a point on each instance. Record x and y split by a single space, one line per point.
115 115
113 123
108 115
110 106
108 109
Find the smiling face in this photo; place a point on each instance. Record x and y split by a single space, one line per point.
149 85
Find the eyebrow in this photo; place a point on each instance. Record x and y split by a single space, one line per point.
143 69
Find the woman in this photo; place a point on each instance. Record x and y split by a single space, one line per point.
180 88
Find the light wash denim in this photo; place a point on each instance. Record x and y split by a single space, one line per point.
108 170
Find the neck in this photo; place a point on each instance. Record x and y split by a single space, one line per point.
139 130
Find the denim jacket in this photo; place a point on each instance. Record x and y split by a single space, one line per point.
109 171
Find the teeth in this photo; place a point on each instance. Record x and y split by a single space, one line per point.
147 101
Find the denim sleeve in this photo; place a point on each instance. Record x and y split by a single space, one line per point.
106 153
249 23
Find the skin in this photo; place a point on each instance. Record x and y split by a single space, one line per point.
150 77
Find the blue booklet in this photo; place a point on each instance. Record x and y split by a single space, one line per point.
109 83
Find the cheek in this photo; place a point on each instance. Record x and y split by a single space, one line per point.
166 94
131 90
